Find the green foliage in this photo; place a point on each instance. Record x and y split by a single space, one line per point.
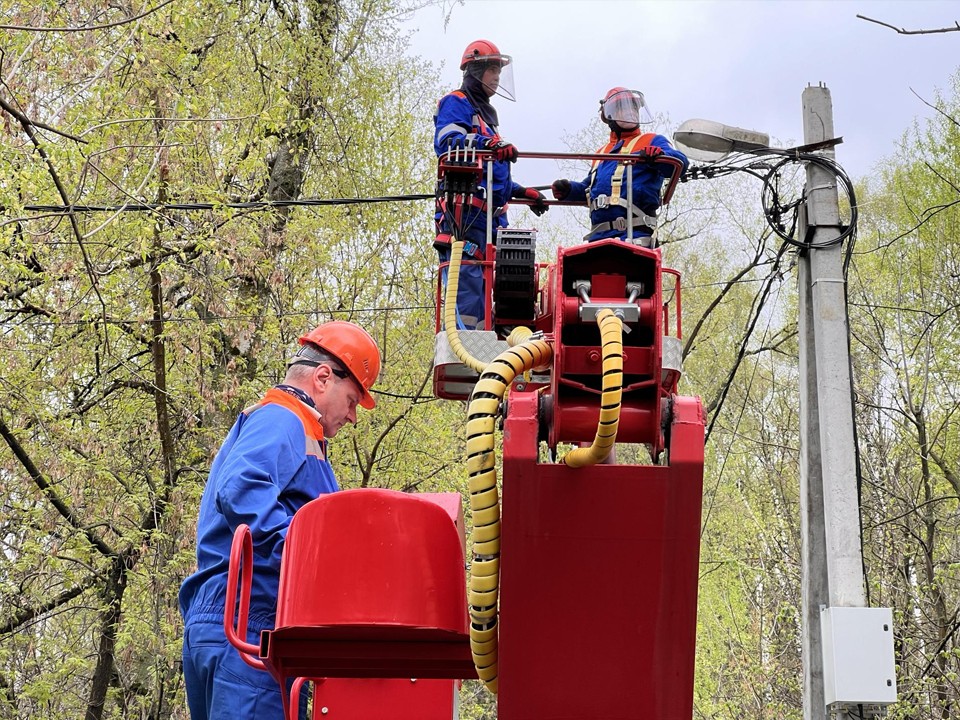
132 340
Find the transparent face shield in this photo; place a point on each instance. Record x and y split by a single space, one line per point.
495 73
627 109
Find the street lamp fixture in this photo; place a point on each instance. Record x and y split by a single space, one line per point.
709 141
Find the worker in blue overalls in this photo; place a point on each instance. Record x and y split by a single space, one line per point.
465 118
272 463
605 187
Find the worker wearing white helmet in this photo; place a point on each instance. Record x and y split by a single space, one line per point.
605 188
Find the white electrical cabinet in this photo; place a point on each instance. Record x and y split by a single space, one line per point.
858 658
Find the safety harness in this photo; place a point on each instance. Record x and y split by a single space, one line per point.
641 220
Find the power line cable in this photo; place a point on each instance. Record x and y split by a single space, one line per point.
253 205
768 165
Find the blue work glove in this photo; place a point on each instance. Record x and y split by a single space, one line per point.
502 150
560 189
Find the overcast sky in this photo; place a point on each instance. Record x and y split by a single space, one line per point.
741 63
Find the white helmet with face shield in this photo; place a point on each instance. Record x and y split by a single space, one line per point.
624 109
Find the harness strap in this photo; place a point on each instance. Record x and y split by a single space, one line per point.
474 201
596 163
616 182
602 202
620 224
480 129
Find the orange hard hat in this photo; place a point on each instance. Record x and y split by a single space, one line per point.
483 51
354 347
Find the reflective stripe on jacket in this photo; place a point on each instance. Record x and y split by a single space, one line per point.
605 187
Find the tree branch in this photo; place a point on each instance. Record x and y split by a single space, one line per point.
81 28
51 494
54 175
31 613
903 31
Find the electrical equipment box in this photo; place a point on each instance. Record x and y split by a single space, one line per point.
858 658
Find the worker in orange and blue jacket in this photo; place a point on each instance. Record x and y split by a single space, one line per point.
605 187
272 463
466 119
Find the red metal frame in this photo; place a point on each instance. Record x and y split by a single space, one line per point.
609 265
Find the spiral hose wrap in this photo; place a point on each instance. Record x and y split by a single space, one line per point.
611 337
525 354
485 500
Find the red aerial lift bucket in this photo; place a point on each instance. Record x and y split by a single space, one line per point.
598 578
372 585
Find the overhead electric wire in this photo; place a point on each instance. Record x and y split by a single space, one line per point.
251 205
767 165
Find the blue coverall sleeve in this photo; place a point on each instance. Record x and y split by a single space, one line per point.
578 190
661 142
454 121
267 454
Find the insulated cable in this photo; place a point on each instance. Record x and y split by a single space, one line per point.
450 309
768 165
252 205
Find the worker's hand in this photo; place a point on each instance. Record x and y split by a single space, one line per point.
560 189
650 153
502 150
538 205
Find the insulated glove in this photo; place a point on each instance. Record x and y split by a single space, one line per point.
650 153
502 150
538 205
560 188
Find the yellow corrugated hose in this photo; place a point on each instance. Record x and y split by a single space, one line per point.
482 413
484 498
611 337
450 309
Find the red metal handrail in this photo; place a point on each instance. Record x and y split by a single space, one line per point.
241 554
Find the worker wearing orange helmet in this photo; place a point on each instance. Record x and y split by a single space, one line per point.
605 187
466 118
273 461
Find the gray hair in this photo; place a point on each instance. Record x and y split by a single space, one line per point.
307 358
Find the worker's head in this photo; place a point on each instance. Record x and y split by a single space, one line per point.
483 61
624 110
336 365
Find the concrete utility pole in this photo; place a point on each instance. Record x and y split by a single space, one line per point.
832 577
848 658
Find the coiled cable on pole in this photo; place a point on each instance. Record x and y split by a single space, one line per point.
484 497
450 309
611 337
